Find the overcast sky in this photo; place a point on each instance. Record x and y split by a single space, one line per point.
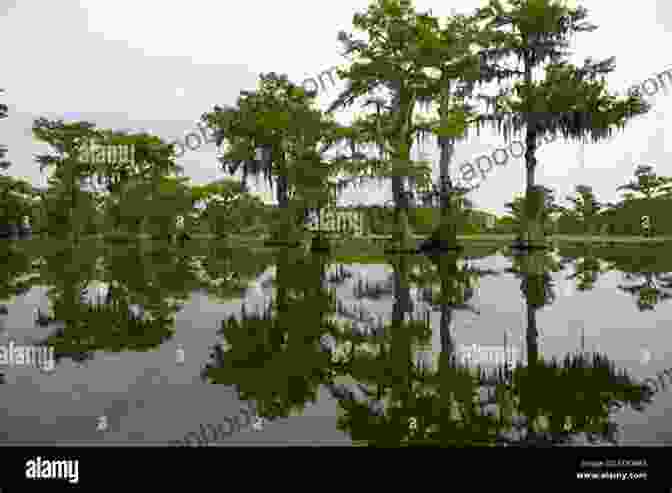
158 65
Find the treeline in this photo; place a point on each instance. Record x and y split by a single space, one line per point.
643 210
425 220
406 61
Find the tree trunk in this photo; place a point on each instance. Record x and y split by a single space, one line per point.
531 339
403 240
447 225
285 230
533 267
401 341
445 236
591 226
447 147
447 267
74 228
532 228
283 191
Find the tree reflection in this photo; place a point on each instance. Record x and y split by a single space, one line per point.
422 405
587 265
650 272
381 361
226 272
554 401
137 311
17 276
647 270
541 403
279 357
274 357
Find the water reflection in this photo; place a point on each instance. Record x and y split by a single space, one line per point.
17 276
279 358
587 388
364 333
133 308
121 298
646 269
273 355
459 406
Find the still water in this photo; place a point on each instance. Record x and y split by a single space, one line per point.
486 347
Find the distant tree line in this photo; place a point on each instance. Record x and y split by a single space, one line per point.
643 209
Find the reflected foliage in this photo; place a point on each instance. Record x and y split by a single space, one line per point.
301 337
273 356
125 298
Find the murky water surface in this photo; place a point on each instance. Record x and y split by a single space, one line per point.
486 347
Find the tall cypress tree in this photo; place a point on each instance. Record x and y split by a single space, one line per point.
388 60
569 100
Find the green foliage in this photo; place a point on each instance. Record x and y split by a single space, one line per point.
229 208
534 202
585 210
542 204
66 209
569 101
424 220
507 224
401 45
128 191
647 184
58 217
570 224
276 132
379 220
626 219
278 119
16 200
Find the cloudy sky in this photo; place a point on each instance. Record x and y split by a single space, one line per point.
158 65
